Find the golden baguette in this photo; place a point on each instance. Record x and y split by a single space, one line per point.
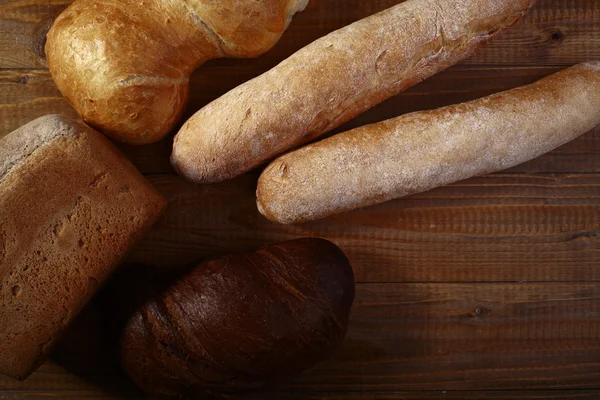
423 150
334 79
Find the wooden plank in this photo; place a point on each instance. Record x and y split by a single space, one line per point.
420 395
555 32
66 395
494 228
412 337
28 94
466 337
23 28
55 382
444 394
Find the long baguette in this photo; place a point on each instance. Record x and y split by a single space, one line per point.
334 79
423 150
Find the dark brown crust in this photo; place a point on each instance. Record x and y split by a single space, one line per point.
72 207
241 323
124 65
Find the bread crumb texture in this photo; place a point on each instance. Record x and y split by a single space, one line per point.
72 206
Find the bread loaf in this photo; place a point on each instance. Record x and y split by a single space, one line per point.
71 208
419 151
334 79
238 324
124 65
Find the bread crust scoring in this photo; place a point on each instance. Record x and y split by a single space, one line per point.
124 65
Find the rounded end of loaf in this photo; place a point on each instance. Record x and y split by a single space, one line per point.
110 86
136 350
133 109
263 208
276 201
187 162
138 112
200 157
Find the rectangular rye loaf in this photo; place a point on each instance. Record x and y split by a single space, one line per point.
71 207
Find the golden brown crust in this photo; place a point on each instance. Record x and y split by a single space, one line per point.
72 207
419 151
334 79
125 65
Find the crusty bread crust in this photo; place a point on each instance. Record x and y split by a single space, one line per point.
419 151
71 207
124 65
19 145
334 79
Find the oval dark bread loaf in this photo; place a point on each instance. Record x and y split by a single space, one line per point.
420 151
71 208
239 324
334 79
124 65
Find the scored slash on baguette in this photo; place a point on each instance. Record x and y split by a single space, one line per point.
423 150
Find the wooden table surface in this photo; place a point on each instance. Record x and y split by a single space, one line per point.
485 289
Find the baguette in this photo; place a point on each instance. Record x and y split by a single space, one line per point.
72 206
124 65
334 79
420 151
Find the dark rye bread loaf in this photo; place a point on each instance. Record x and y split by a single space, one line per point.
71 208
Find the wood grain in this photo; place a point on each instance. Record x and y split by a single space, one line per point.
495 228
485 289
430 337
28 94
97 394
444 394
556 32
467 337
23 28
